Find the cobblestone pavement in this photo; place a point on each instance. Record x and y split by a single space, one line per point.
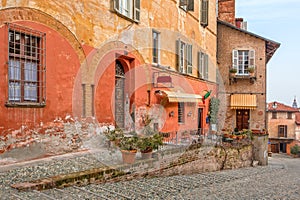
279 180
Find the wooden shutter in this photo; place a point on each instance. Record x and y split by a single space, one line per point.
235 59
183 2
190 6
204 13
137 10
200 65
205 66
189 58
178 56
252 58
117 5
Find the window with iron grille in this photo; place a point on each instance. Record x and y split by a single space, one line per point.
26 66
180 112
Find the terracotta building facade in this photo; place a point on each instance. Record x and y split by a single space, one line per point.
117 62
242 59
283 126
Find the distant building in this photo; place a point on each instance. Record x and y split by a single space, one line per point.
283 126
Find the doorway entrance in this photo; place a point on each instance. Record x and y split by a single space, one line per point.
200 119
242 119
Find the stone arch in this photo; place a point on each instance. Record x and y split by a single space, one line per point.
31 14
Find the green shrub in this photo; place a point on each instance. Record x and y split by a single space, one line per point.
295 150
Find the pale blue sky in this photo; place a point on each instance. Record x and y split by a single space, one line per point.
277 20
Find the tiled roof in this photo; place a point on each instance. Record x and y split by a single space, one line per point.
280 107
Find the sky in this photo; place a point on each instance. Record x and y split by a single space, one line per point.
277 20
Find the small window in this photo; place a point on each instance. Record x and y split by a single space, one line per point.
289 115
187 5
274 115
204 13
26 66
128 8
156 46
202 65
180 112
242 60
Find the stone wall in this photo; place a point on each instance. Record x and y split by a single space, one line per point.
180 160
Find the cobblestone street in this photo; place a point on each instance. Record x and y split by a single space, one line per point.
279 180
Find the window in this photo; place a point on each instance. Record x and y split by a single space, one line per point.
26 66
204 13
282 130
187 5
184 57
274 115
128 8
289 115
202 65
180 112
156 45
242 60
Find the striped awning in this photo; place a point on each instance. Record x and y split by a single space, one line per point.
243 101
182 97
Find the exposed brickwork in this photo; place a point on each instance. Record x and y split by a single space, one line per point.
226 9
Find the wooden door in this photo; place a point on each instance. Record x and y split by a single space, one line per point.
242 119
119 96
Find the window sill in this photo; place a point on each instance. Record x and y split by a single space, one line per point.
25 105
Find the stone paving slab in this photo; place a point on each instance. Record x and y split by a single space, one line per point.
279 180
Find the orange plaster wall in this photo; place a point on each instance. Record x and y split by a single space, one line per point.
62 64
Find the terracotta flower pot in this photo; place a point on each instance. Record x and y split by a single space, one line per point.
128 156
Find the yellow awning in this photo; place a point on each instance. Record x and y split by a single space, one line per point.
243 101
182 97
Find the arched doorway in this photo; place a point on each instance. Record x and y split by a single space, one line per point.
119 95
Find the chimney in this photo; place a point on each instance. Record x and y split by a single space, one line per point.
240 23
226 11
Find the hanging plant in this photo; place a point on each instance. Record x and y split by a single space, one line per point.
214 109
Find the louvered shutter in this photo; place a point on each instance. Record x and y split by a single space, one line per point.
178 56
189 58
235 59
206 66
200 66
190 6
204 13
252 58
137 10
117 5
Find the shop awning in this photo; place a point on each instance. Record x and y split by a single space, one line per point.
182 97
243 101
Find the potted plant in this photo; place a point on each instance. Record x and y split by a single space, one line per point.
232 71
114 136
128 146
147 144
251 70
